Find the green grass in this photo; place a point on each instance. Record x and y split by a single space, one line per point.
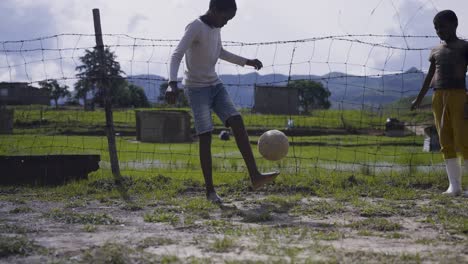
376 224
361 153
21 210
34 119
14 229
161 216
109 253
224 244
357 154
78 218
324 177
17 245
155 242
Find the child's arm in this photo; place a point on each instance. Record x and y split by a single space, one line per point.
427 82
236 59
172 90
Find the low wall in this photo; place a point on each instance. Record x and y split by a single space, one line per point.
163 126
47 169
6 121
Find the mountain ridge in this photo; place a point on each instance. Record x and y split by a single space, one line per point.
348 91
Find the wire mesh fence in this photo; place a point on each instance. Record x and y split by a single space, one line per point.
367 129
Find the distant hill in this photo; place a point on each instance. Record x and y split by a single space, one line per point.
350 91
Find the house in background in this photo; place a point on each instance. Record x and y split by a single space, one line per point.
277 100
20 93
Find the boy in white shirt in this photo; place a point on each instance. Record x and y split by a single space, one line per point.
202 47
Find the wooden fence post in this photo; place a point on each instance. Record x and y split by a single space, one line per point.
104 84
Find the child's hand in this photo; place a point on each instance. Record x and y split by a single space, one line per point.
255 63
171 93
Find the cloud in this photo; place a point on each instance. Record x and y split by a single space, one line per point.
135 21
30 52
25 21
21 21
256 21
414 18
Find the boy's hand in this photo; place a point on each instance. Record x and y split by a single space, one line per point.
255 63
171 93
415 104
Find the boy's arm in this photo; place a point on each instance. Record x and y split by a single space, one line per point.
241 61
427 83
236 59
232 58
172 91
191 32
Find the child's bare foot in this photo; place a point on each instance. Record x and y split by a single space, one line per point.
214 198
263 178
453 193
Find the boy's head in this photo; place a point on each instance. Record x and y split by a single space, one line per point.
222 11
446 23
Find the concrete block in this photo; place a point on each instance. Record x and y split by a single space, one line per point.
163 126
6 121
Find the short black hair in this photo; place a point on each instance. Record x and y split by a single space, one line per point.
447 15
223 5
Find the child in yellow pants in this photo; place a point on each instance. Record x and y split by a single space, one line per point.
447 74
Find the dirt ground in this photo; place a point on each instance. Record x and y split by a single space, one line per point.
246 229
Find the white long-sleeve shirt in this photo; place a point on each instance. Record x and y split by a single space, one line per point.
202 47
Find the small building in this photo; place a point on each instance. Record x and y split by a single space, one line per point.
276 100
21 93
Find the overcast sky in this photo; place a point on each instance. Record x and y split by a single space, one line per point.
256 21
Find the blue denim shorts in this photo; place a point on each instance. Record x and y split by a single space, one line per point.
203 100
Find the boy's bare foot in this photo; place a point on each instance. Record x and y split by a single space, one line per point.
453 193
214 198
263 178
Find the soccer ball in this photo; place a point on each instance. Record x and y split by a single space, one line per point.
273 145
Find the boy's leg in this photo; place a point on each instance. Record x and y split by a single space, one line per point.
224 108
465 194
441 109
200 102
460 125
206 165
455 100
454 175
242 139
206 161
443 123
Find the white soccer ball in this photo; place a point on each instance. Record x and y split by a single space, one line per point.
273 145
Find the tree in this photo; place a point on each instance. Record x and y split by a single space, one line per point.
138 96
56 91
91 75
82 88
181 100
129 95
91 79
313 95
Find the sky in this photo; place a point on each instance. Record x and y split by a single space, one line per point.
257 21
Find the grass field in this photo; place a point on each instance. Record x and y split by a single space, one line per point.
340 199
42 120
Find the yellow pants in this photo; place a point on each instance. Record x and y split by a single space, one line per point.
448 108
